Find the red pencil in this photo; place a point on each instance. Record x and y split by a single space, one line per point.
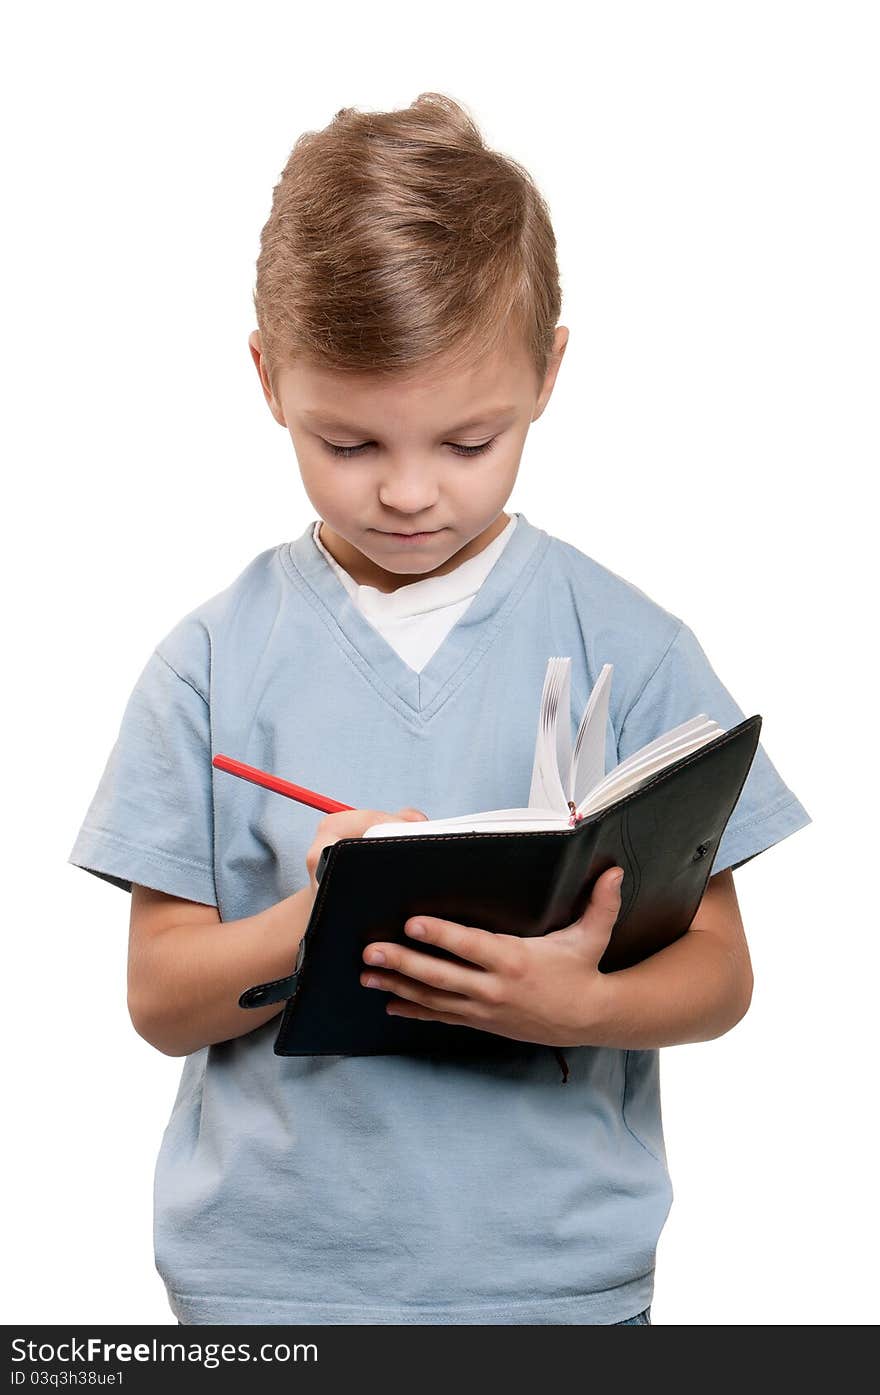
274 782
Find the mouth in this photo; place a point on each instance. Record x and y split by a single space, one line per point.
411 537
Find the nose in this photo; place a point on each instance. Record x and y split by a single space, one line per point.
409 491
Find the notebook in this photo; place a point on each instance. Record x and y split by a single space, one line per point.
660 814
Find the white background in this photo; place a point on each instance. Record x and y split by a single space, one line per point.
711 171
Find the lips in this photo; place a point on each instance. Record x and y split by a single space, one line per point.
420 533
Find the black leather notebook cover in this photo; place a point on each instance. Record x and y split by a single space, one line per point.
665 835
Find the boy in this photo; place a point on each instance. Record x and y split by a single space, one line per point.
394 654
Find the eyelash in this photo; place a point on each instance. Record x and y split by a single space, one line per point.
463 451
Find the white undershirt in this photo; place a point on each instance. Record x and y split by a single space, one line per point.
416 618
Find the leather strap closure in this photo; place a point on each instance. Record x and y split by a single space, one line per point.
276 990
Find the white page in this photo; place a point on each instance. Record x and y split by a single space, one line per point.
518 821
663 751
588 765
562 734
553 740
615 788
670 738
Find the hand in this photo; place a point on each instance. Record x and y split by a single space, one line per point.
544 988
350 823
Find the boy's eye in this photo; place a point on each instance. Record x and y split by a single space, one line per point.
459 449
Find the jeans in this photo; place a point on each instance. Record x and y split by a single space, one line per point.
640 1320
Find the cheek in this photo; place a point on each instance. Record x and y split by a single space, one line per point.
330 486
489 482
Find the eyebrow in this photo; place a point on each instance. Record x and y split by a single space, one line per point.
490 414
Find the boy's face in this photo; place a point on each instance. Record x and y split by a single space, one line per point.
408 477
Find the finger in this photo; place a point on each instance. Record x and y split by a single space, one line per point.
481 947
397 1008
352 823
429 970
412 991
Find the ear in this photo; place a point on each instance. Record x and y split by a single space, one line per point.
255 344
560 341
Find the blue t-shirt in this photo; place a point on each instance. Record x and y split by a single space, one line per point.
395 1189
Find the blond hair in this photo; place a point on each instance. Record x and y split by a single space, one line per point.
399 237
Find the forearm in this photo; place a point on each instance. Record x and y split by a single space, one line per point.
196 974
693 990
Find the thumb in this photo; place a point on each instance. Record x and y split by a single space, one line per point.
593 928
603 907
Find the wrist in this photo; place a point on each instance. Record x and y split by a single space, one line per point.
278 931
607 1011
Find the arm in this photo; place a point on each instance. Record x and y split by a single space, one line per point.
187 968
693 990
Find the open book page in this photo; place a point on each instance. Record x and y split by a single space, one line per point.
492 821
642 764
588 765
552 760
558 776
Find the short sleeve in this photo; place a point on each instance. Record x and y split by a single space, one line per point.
151 818
683 685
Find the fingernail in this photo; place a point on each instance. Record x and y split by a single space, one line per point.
417 930
617 879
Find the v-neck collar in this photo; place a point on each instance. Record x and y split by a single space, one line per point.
417 696
424 594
